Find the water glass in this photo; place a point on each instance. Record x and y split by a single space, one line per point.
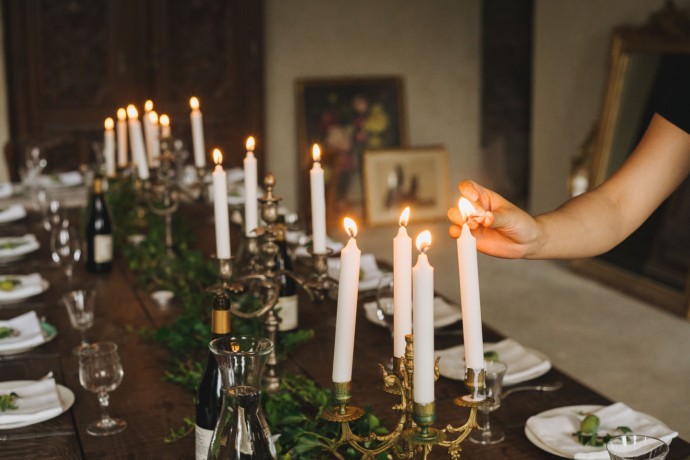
100 371
80 305
495 371
65 248
636 447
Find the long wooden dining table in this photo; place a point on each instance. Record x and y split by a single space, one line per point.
152 406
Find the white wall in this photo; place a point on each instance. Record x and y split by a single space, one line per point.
571 52
432 45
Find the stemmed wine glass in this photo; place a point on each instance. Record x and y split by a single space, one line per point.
65 248
495 371
35 164
100 371
80 305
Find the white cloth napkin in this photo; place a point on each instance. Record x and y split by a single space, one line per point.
30 243
38 400
12 213
557 431
523 363
5 190
369 276
444 313
29 285
63 179
29 328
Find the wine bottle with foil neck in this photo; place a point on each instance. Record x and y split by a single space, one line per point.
99 232
209 396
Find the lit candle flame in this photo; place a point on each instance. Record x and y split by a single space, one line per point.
217 156
132 112
121 114
153 117
350 227
404 217
109 123
316 152
424 241
165 120
194 103
148 105
466 208
251 143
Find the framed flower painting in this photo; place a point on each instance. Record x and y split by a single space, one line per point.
346 117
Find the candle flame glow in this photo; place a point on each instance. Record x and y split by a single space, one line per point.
194 103
153 117
251 143
132 111
466 208
148 105
234 346
424 241
217 156
350 227
165 120
404 217
109 123
121 114
316 152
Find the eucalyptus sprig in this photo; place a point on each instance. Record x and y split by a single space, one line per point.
7 401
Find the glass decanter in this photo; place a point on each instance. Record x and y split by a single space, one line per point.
242 432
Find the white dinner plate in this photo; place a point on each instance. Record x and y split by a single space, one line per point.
452 364
66 400
30 245
585 408
445 313
44 287
49 333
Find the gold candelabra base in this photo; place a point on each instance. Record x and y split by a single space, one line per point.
414 435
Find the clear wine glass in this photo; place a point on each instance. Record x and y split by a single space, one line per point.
80 305
100 371
35 164
65 248
486 434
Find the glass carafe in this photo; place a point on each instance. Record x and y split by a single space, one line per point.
242 432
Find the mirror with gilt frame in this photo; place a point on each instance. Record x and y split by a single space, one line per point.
654 262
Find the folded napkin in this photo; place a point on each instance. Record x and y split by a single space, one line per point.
18 245
556 431
29 285
63 179
523 363
12 213
29 328
369 272
38 400
5 190
444 313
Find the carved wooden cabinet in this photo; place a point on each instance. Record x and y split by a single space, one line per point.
71 63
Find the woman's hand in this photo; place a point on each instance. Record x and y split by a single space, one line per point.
501 228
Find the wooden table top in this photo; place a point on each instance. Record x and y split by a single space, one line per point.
153 407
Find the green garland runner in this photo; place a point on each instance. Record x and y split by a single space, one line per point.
294 410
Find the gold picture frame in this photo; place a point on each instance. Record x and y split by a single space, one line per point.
396 178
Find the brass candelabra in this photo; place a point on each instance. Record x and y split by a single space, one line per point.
260 275
414 435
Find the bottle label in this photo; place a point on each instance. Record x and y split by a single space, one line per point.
288 313
102 248
202 441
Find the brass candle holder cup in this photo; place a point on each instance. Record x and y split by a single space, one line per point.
414 435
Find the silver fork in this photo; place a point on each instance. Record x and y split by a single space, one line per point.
543 387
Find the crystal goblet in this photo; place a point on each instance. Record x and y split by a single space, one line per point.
636 447
100 371
80 305
495 371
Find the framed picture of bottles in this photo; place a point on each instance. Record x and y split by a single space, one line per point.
346 117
